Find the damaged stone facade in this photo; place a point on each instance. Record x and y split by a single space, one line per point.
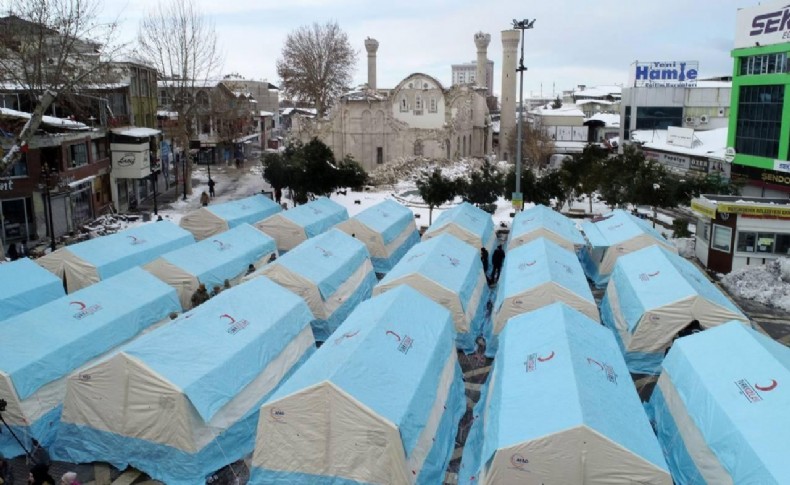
419 117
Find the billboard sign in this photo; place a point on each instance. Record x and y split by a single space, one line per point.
664 74
130 161
762 25
682 137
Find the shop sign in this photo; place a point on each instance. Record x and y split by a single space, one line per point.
664 74
763 175
703 209
755 210
762 25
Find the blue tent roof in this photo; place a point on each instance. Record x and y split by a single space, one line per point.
317 216
616 227
388 218
24 285
542 217
132 247
653 277
444 259
224 343
47 343
223 256
327 259
367 361
468 217
732 383
539 262
574 375
249 210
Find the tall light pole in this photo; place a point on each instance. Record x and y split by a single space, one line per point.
521 25
46 174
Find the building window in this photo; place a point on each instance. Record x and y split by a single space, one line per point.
19 169
404 105
82 210
703 229
432 105
461 78
379 155
722 238
658 117
762 242
759 120
764 64
418 105
79 155
746 242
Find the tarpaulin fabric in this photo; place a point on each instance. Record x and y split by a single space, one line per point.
24 285
542 221
216 218
468 223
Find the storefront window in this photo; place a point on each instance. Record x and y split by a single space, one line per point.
783 243
722 237
765 242
746 241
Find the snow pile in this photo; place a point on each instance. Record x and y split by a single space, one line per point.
768 284
685 246
411 168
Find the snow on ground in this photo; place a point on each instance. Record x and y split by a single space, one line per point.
768 284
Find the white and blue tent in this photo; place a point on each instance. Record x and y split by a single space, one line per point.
541 221
387 229
449 272
468 223
43 346
290 228
560 407
332 272
182 401
226 256
216 218
651 296
88 262
614 235
378 403
537 274
24 285
721 407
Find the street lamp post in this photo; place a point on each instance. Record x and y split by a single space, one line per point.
154 180
521 25
48 216
184 166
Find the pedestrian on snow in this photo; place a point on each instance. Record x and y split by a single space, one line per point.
226 285
278 194
13 254
38 455
484 259
6 474
204 199
211 185
250 269
496 261
200 296
216 290
39 475
69 478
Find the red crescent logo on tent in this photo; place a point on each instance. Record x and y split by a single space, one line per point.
769 387
133 238
545 359
79 304
390 332
345 336
225 315
532 263
593 361
653 274
221 244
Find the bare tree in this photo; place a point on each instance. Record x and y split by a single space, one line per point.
316 65
50 50
181 43
231 110
536 145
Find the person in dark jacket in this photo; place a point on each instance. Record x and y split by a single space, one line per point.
496 262
39 475
484 259
211 185
6 474
200 296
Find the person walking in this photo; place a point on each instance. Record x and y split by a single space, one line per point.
211 185
39 475
200 296
484 259
496 261
204 199
6 474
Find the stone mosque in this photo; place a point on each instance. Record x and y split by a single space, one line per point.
418 117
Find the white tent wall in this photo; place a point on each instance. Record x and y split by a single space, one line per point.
372 239
286 233
76 272
700 453
539 233
435 292
339 436
348 287
598 461
184 283
538 297
343 437
626 247
124 396
464 235
203 223
298 284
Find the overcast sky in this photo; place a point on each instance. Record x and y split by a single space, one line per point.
573 41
